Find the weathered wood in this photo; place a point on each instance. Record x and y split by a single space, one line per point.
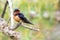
11 11
9 30
4 28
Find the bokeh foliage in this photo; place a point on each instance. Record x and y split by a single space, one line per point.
39 7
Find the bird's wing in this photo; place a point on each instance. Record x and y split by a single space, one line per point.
24 19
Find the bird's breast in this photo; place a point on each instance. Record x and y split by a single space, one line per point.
16 18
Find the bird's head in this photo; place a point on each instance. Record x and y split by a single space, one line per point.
16 11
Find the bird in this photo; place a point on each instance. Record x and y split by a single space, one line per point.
18 16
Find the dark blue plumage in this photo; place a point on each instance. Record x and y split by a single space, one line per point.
20 16
24 19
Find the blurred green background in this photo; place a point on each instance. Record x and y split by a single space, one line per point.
43 18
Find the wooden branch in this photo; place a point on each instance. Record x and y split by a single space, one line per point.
30 27
4 10
25 26
15 26
9 30
4 28
11 11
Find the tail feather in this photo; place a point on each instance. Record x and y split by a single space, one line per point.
29 22
26 21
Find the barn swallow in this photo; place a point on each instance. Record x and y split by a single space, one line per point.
19 16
